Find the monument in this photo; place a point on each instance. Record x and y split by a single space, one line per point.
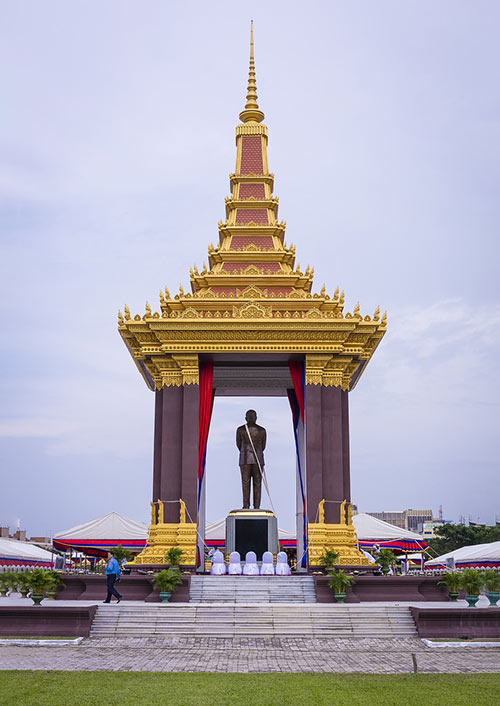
251 442
252 325
251 530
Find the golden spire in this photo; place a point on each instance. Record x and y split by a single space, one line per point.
251 114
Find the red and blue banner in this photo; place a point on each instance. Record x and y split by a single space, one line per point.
207 394
296 398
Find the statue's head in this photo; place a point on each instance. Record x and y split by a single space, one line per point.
251 416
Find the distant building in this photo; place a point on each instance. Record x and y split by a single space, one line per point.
412 520
429 529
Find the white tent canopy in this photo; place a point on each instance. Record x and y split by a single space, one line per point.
12 550
475 554
370 528
110 526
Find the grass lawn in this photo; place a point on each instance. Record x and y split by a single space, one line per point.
185 689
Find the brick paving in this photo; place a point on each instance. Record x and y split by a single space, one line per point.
251 655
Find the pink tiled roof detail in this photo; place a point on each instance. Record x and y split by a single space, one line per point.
261 241
258 191
251 155
257 215
264 267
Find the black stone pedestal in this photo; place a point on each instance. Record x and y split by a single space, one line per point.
251 530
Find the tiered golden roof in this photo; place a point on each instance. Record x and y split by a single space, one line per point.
252 297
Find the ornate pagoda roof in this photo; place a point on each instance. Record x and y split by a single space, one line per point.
252 297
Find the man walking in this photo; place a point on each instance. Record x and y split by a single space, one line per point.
112 575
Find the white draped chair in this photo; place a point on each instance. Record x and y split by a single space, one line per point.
234 564
267 568
282 568
251 567
218 565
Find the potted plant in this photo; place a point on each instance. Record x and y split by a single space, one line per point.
385 559
328 559
6 581
173 556
339 582
120 553
39 582
23 583
492 585
472 581
54 580
167 581
451 579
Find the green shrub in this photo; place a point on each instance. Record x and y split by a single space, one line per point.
452 581
491 580
472 581
339 581
167 580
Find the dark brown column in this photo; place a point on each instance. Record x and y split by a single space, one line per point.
327 451
157 444
314 454
171 451
190 418
345 445
333 452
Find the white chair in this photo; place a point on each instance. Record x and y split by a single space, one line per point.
218 565
282 568
251 567
234 564
267 568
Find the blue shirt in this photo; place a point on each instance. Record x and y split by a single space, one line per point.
112 567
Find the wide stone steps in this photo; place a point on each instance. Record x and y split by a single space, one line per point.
252 589
238 620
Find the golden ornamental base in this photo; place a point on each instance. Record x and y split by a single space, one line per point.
163 536
341 538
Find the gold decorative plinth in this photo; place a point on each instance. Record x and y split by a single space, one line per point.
341 538
162 536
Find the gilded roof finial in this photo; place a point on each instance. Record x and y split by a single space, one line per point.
251 114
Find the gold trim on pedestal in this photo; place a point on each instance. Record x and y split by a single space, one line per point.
162 536
339 537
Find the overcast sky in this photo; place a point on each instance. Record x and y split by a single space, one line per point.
116 141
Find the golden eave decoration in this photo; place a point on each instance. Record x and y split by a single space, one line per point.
252 297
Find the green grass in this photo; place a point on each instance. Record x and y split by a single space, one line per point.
207 689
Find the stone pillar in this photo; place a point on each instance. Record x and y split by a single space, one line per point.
327 436
175 463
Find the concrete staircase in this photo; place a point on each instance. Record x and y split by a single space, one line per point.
252 589
318 620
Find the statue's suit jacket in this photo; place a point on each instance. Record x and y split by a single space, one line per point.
258 435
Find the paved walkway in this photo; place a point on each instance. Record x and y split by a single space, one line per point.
247 655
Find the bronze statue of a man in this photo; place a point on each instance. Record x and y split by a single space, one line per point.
248 461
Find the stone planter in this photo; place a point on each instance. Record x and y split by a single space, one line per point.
165 596
493 597
453 595
471 600
339 597
37 598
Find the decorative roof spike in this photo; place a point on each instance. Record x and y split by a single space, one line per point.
342 297
251 114
167 293
120 318
356 310
181 290
127 313
148 309
384 319
336 294
162 298
376 315
323 290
